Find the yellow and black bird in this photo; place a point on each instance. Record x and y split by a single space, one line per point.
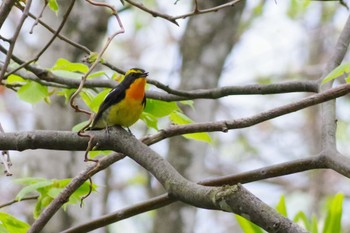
124 104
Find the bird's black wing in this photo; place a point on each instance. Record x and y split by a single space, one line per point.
114 96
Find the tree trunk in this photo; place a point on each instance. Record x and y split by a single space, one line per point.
86 30
207 41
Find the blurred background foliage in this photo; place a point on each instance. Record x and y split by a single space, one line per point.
254 42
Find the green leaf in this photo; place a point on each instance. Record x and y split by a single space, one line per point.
49 189
96 74
79 126
301 216
150 120
13 78
314 225
139 179
181 119
94 153
92 57
67 93
53 5
32 92
160 108
340 70
247 226
334 214
281 207
10 224
98 99
32 188
63 64
87 96
204 137
29 180
297 7
67 74
189 103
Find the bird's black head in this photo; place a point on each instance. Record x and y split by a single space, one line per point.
135 73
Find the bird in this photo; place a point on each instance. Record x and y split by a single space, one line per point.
124 104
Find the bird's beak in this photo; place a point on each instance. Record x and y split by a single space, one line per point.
145 74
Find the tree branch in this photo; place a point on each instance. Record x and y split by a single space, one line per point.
221 198
224 126
328 109
63 140
173 19
14 38
250 89
164 199
5 9
41 52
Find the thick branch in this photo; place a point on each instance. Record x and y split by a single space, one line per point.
47 78
219 92
56 140
222 198
163 200
224 126
328 109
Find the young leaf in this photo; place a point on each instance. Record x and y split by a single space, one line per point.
13 78
96 74
94 153
204 137
334 214
67 74
98 99
53 5
314 225
159 108
48 190
87 97
340 70
67 93
181 119
189 103
63 64
10 224
40 205
281 207
32 92
247 226
79 126
301 216
32 188
150 120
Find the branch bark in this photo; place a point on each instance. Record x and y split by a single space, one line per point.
220 198
5 9
66 140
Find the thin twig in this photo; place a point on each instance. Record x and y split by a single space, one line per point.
152 12
64 20
14 38
204 11
40 15
173 19
16 201
109 40
62 37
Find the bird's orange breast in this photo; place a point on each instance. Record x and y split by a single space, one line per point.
136 90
